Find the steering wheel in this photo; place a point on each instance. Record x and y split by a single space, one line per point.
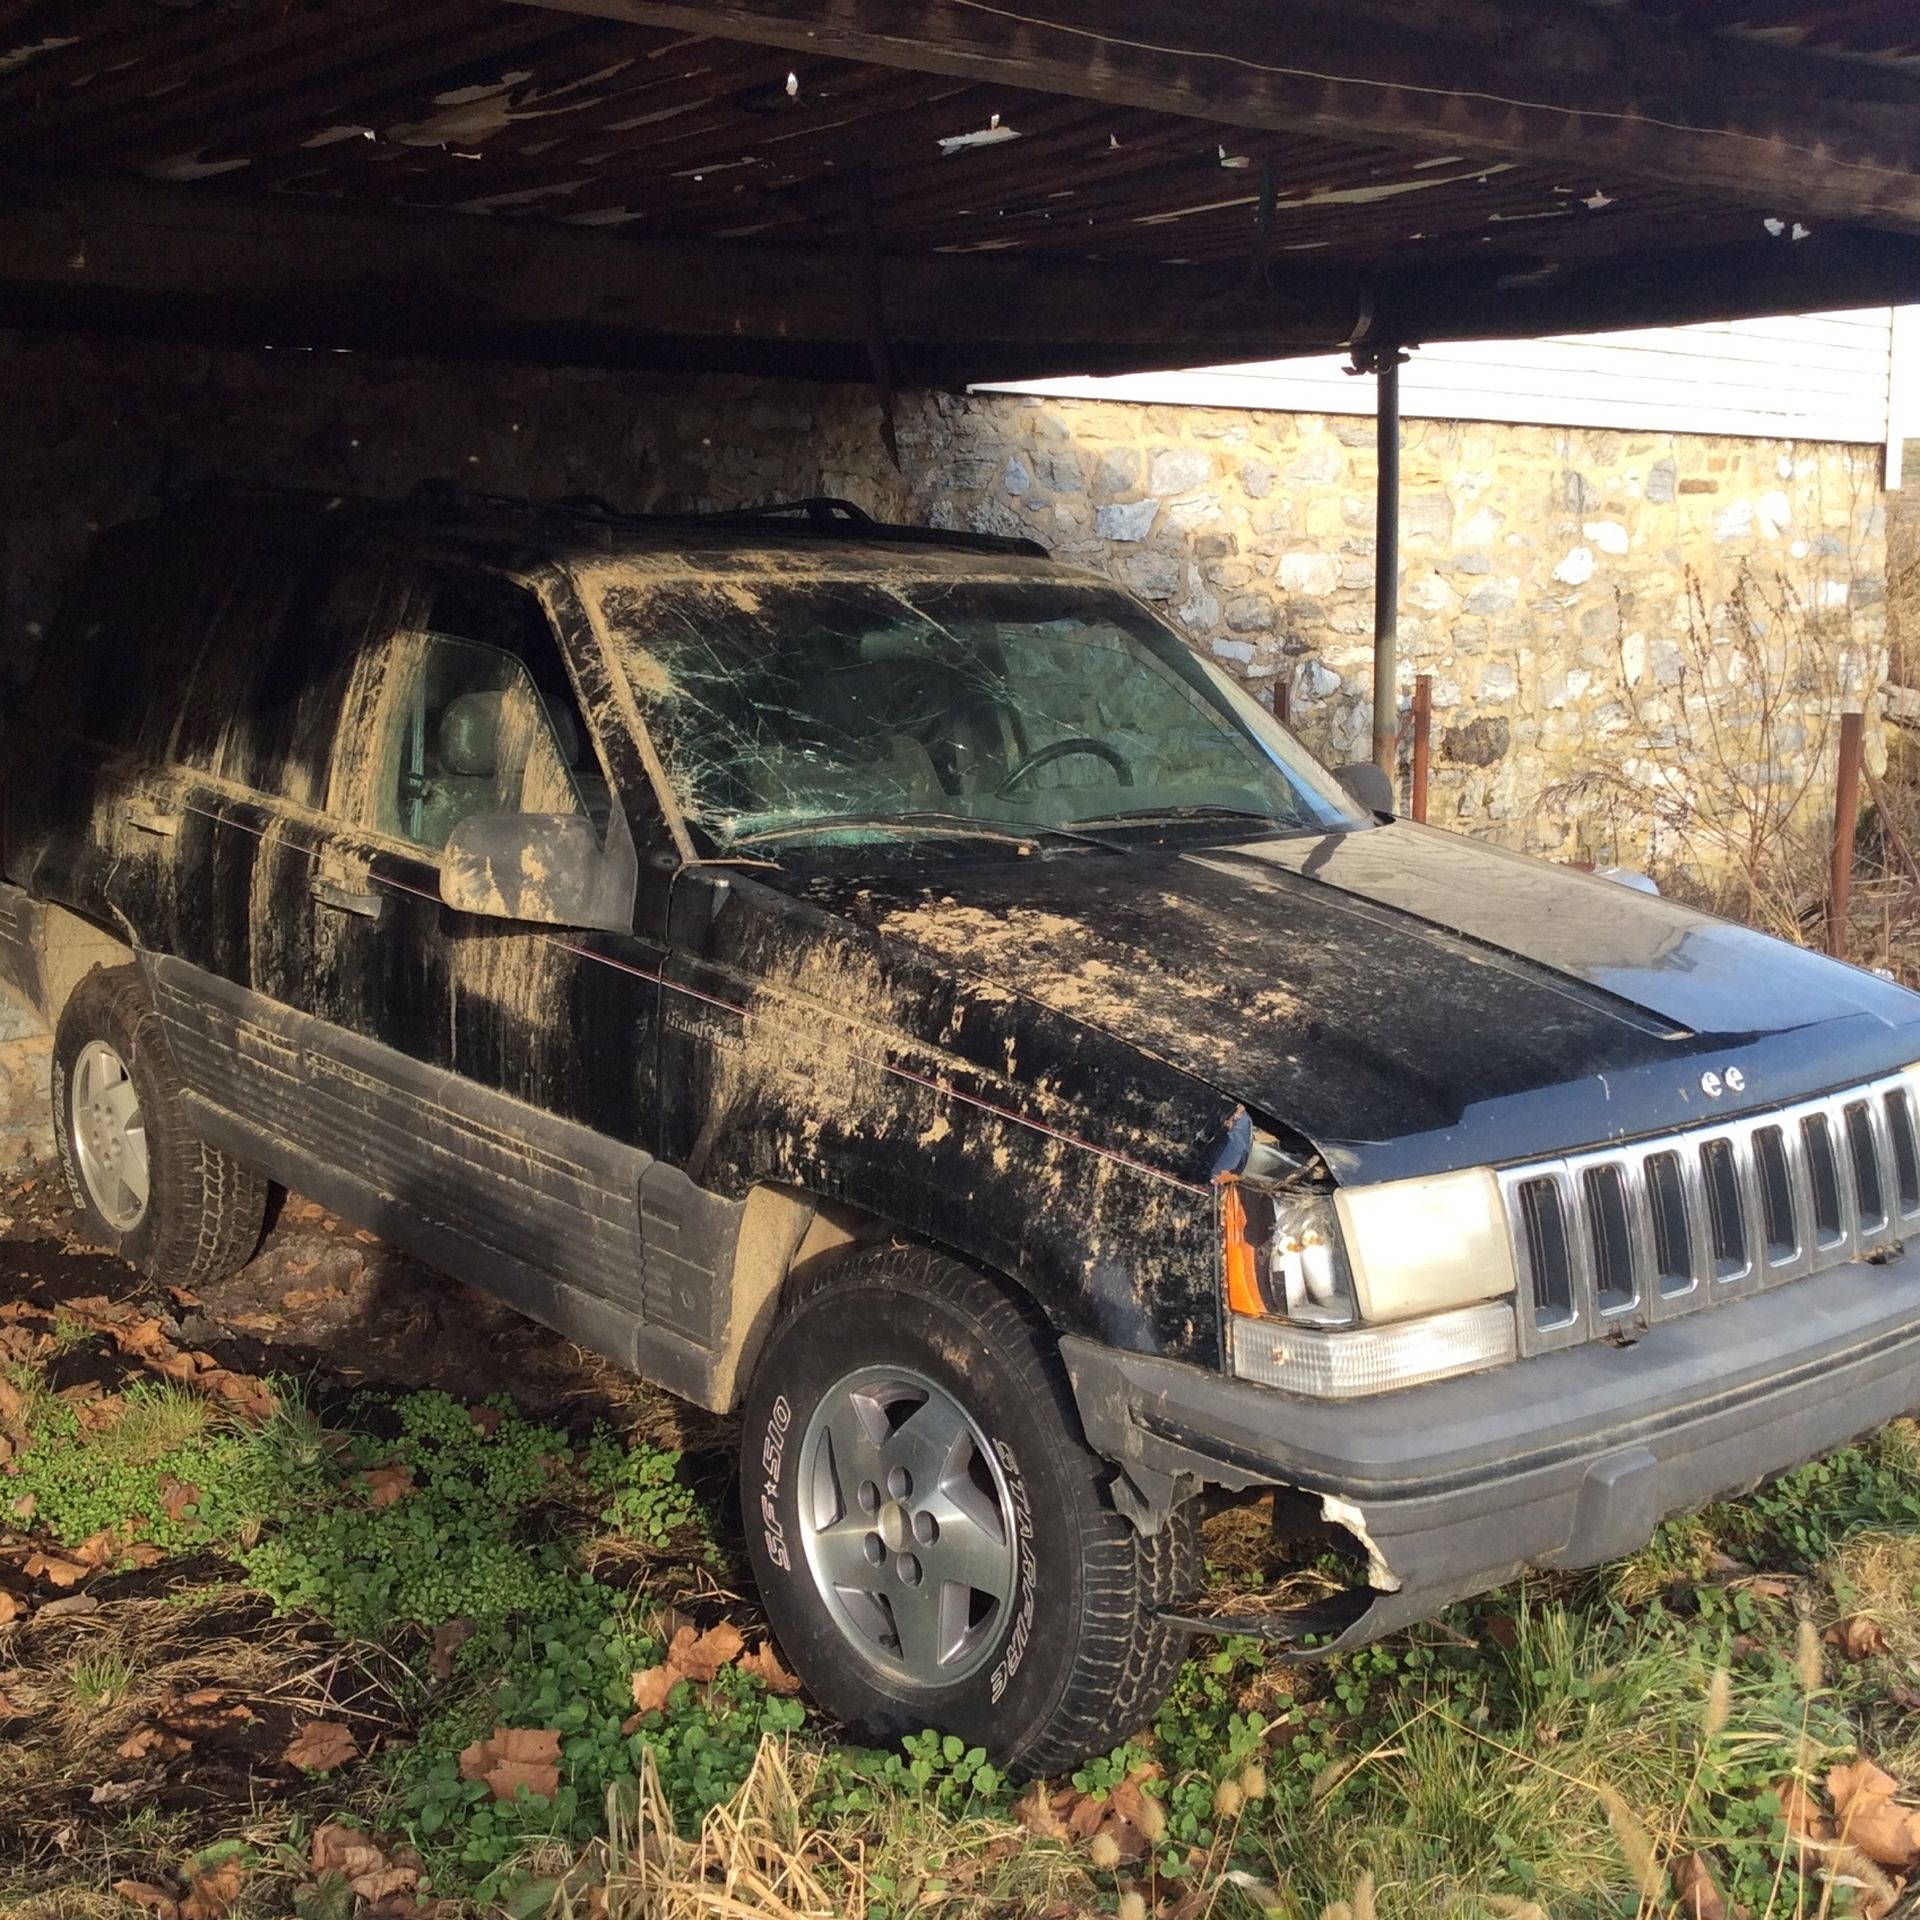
1064 749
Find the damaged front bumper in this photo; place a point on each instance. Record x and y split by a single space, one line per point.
1566 1460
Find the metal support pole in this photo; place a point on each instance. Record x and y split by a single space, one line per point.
1386 566
1846 808
1422 743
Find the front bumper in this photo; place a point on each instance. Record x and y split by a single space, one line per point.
1567 1460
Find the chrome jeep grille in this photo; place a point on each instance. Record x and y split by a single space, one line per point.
1661 1227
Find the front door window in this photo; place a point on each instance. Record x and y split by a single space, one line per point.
466 732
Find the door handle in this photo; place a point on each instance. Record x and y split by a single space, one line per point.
151 819
345 900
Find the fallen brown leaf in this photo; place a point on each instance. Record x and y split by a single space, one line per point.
143 1741
176 1496
515 1757
213 1893
67 1605
99 1549
487 1419
151 1899
10 1608
701 1656
1868 1817
1034 1811
145 1337
1802 1812
447 1641
320 1746
651 1688
1693 1881
361 1861
385 1485
1858 1637
56 1569
764 1664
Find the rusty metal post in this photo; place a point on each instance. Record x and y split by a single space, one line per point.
1846 807
1422 742
1283 699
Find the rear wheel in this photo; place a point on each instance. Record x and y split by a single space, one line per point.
146 1186
932 1535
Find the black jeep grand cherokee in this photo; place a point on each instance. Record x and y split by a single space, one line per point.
885 983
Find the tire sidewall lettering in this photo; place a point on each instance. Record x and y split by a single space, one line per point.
773 1460
1026 1575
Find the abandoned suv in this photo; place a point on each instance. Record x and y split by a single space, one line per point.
884 984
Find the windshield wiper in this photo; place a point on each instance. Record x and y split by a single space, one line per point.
1195 810
932 824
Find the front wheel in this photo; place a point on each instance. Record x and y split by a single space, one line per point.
931 1534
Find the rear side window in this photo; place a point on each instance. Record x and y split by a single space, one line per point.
126 639
262 705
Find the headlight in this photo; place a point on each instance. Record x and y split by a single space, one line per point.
1368 1288
1419 1245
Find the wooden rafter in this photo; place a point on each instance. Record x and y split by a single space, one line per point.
1608 94
133 254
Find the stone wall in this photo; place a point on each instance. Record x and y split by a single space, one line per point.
1903 575
1620 627
26 1131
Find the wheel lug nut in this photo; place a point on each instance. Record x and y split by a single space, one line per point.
926 1529
899 1483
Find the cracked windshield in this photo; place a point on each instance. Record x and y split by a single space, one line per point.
834 711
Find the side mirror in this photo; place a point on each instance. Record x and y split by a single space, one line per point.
1367 784
549 868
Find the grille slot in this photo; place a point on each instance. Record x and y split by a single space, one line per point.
1661 1227
1549 1255
1667 1202
1611 1229
1726 1215
1776 1195
1906 1150
1869 1195
1829 1223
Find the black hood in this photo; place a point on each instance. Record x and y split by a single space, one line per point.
1407 1000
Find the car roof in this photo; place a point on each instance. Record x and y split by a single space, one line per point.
582 528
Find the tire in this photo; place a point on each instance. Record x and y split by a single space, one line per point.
146 1186
896 1626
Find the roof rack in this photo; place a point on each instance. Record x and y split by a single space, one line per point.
819 516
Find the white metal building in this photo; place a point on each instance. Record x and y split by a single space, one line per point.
1842 377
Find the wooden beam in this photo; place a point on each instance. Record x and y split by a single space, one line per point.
1607 96
207 263
100 251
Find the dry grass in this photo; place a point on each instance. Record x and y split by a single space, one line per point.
1880 1574
765 1854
